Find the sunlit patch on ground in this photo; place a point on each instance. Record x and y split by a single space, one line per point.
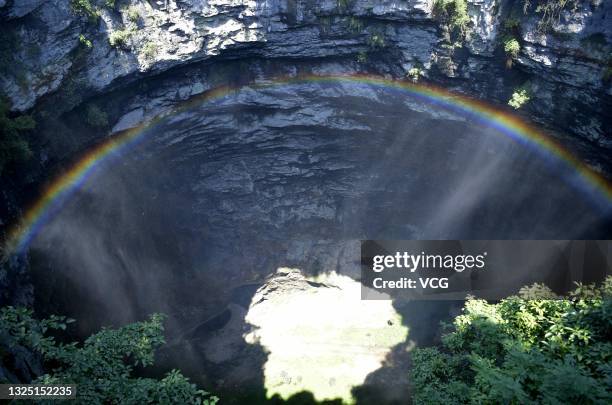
320 336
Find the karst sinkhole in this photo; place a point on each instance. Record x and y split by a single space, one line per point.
215 198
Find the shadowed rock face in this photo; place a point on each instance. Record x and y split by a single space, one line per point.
193 219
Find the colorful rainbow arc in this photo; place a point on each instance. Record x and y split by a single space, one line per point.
64 185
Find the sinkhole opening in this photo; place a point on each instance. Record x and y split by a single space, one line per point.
196 219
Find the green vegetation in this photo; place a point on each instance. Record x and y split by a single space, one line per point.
415 74
83 40
376 40
133 14
512 24
510 32
549 11
95 117
84 7
528 348
519 98
13 147
102 365
454 14
512 49
149 51
120 38
362 57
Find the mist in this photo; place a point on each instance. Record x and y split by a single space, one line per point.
193 220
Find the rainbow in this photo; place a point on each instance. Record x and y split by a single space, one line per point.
60 189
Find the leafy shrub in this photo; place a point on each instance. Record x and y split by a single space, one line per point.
95 117
13 147
120 38
133 14
512 47
520 97
415 74
149 50
525 349
83 40
454 13
84 7
102 365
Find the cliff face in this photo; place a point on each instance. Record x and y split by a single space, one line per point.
327 163
54 46
86 69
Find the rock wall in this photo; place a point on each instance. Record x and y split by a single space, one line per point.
138 59
55 47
